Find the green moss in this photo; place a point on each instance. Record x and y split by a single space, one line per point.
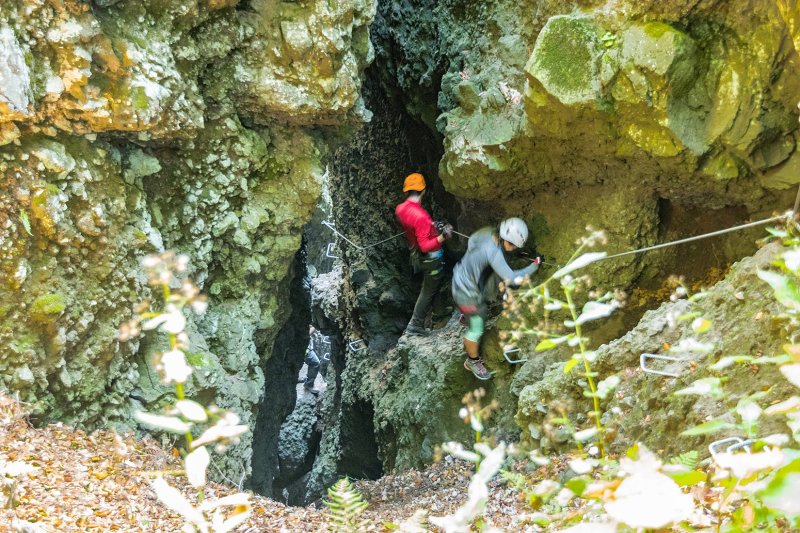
49 304
23 344
139 98
564 56
657 29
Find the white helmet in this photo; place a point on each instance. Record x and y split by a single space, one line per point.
515 231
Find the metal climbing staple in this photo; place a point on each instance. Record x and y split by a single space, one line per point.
507 353
326 356
646 369
329 251
734 443
357 345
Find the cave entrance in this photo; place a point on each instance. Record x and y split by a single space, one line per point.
359 457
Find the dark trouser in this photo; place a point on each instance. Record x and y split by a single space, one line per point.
432 267
313 368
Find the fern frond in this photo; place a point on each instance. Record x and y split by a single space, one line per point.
345 506
688 459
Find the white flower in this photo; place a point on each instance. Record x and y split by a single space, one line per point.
776 439
649 499
173 364
792 373
171 321
219 521
583 466
196 464
477 495
545 487
167 423
191 410
175 501
749 412
743 465
786 406
456 449
151 261
226 429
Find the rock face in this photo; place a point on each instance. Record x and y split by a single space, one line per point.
127 128
653 121
609 114
744 314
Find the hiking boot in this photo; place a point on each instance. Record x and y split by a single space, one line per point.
311 389
417 331
476 367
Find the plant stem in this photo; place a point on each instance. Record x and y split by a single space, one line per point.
587 367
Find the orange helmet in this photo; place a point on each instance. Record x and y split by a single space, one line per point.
414 182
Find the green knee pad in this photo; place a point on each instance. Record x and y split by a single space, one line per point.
475 331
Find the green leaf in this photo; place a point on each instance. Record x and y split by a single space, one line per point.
26 222
577 485
776 359
712 426
687 479
777 232
546 344
633 452
570 365
786 291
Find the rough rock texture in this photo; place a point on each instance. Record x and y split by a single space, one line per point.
127 128
576 113
651 120
744 314
298 444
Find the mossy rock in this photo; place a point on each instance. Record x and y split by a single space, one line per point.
48 305
565 59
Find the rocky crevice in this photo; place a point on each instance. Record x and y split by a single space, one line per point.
127 128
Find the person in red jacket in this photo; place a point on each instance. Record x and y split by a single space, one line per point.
425 244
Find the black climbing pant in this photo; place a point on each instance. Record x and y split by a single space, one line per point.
432 267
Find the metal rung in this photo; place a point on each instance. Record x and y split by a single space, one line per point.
731 441
326 339
513 361
357 345
645 356
329 251
745 444
326 356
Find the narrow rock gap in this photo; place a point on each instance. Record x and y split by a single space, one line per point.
281 371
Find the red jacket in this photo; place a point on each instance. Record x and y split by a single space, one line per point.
418 225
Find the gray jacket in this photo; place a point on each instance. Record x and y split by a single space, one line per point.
483 253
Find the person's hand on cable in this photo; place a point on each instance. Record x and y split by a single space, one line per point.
448 231
444 229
